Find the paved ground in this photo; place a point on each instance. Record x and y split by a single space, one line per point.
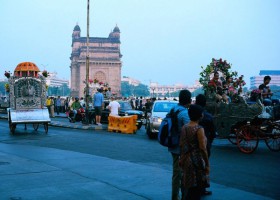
28 172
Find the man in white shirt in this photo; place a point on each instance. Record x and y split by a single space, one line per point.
82 102
114 107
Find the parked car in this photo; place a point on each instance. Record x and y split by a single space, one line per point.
159 110
125 110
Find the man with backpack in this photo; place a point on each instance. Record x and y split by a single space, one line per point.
182 119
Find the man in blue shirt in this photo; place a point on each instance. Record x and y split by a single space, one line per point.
58 105
98 104
183 118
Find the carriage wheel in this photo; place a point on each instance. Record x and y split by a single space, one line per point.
273 140
233 138
36 126
12 128
247 139
46 127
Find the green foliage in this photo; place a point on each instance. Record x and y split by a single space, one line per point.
197 92
2 88
131 90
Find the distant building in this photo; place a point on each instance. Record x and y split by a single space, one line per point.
165 90
53 81
255 81
104 61
130 81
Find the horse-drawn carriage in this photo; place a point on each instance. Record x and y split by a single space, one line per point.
241 123
27 96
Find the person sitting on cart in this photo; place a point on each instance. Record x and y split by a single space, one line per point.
228 87
266 92
76 105
216 84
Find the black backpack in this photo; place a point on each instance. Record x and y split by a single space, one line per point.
168 134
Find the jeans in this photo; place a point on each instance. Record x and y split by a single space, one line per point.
75 113
267 102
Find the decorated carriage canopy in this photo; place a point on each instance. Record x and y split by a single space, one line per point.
26 69
27 88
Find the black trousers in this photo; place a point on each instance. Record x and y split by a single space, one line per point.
193 193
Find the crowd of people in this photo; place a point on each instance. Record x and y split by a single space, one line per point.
226 90
68 105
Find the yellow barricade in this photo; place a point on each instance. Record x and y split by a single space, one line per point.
126 124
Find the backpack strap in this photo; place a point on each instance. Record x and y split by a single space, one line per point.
174 116
177 111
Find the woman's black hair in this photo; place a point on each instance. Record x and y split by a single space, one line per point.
195 112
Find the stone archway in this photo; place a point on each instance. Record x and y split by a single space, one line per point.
100 76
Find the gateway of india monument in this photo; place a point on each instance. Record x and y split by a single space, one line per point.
104 62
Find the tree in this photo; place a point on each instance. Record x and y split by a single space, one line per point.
2 88
126 90
197 92
131 90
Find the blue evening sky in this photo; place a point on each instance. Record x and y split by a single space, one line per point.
162 41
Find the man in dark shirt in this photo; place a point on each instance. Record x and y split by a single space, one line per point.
266 92
209 128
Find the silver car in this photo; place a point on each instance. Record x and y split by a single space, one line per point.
159 110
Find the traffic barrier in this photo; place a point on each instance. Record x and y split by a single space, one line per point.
126 124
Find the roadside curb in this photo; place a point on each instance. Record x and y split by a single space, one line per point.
73 126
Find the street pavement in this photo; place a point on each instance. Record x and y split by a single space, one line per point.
29 172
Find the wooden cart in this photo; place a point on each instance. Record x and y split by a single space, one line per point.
27 98
242 124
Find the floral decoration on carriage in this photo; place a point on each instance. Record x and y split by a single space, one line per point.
95 84
227 82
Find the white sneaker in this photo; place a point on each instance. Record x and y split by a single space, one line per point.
99 124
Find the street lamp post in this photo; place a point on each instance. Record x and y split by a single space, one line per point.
153 91
87 67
